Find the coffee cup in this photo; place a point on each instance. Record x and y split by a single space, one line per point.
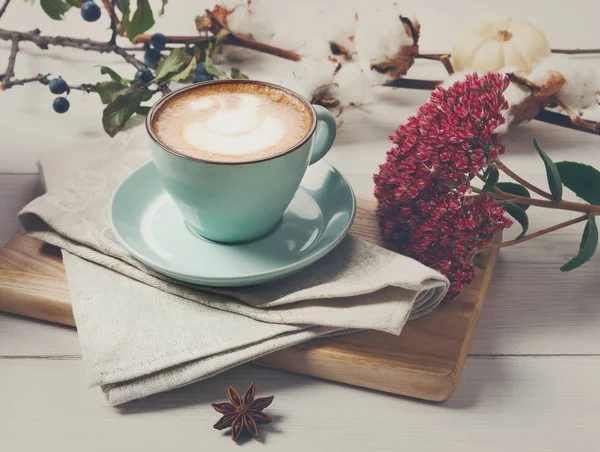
232 153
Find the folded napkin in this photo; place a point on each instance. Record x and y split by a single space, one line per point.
142 332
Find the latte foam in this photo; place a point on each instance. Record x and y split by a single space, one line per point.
232 121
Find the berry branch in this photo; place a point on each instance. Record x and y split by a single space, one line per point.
10 69
4 6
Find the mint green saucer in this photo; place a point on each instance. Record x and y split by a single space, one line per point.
152 229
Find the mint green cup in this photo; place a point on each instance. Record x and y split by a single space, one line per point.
238 201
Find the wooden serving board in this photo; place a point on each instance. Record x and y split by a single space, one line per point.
425 361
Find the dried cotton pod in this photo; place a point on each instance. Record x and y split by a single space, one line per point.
386 42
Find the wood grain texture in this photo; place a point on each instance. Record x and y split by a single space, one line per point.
501 404
425 361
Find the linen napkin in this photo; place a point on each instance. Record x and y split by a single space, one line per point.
142 332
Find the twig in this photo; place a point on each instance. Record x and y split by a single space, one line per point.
144 38
4 6
10 69
539 233
575 51
128 57
581 123
444 59
109 6
501 166
38 78
113 21
43 42
234 39
558 119
428 85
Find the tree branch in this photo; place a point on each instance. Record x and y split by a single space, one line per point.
4 6
10 69
43 42
443 58
427 85
233 39
128 57
113 22
575 51
539 233
109 6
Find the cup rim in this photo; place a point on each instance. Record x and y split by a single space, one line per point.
164 99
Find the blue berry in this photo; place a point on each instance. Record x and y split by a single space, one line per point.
158 41
60 104
201 74
90 11
57 85
152 57
145 75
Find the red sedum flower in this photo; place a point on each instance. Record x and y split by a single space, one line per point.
426 208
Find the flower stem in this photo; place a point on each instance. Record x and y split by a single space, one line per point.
501 166
561 205
539 233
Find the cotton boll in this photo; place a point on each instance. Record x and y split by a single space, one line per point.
456 77
384 41
582 83
352 85
248 18
307 75
253 19
342 27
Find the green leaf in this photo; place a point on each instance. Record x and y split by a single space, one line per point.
587 247
142 20
554 180
515 189
116 77
220 36
491 179
186 72
55 9
76 3
171 64
583 179
236 73
161 11
117 113
518 214
109 91
478 262
211 69
142 110
123 7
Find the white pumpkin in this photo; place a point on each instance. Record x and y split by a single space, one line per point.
497 44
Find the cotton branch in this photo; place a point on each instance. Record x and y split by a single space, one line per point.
233 39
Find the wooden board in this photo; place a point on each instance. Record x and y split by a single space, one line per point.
424 362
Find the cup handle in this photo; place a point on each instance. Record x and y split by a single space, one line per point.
325 134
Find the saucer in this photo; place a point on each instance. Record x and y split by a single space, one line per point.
147 222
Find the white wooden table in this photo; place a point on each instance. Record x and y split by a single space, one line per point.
531 382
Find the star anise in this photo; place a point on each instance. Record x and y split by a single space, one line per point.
243 413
